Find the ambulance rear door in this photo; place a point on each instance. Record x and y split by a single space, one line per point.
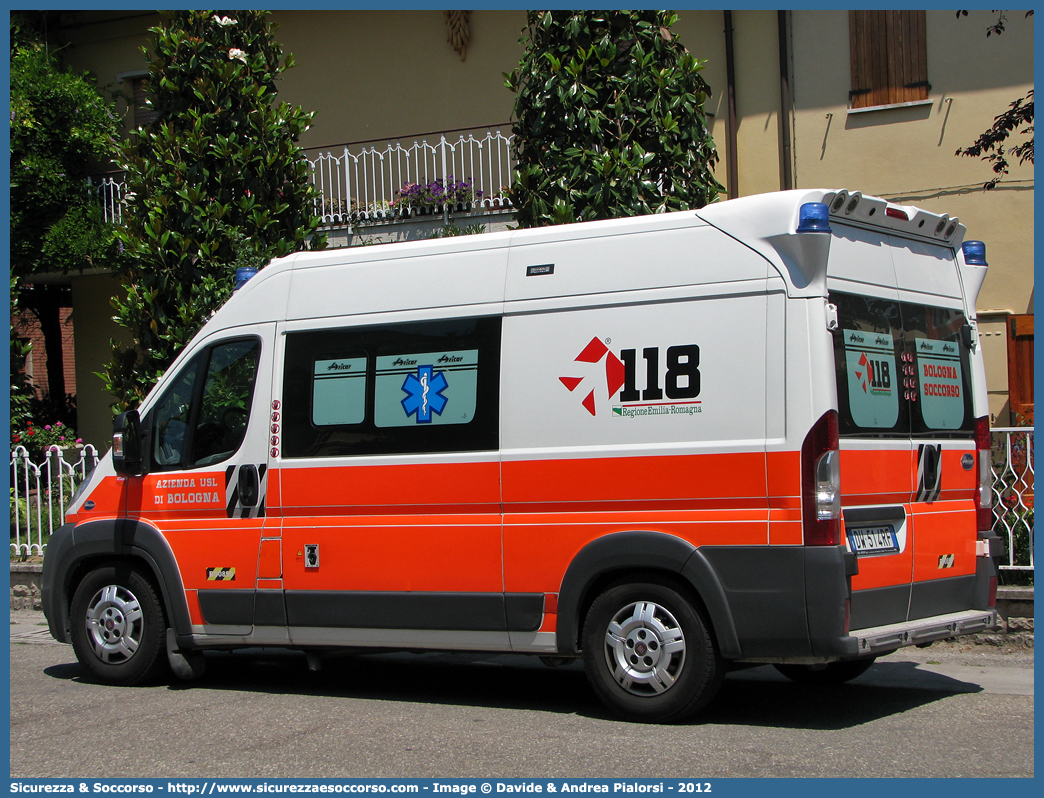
939 363
904 377
873 420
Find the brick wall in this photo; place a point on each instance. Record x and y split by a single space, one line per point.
28 326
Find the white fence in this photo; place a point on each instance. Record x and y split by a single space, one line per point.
40 494
1013 494
468 169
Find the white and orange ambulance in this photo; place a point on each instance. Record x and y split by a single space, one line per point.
756 432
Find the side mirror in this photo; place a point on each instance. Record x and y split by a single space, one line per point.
127 445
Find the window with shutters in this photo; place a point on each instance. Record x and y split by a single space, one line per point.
1020 368
889 58
138 96
143 113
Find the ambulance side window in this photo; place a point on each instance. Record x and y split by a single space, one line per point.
202 418
392 389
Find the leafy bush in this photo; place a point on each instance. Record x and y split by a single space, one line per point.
217 167
451 230
609 119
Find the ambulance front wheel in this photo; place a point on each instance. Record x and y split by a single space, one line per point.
830 673
117 626
649 654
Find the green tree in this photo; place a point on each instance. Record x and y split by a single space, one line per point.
215 181
609 119
62 130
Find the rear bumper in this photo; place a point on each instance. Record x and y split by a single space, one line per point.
881 639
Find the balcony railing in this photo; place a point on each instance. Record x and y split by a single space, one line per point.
362 182
109 191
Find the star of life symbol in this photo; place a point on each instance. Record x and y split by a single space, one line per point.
424 393
594 352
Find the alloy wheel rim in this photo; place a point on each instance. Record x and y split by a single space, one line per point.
115 623
645 648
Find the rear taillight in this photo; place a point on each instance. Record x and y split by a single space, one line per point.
821 483
984 503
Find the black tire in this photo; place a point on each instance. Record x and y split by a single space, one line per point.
831 673
117 626
649 654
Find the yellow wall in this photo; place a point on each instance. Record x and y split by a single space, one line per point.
907 154
94 327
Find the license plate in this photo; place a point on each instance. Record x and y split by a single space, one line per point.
873 539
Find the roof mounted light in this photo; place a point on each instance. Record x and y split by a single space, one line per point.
814 217
897 213
243 273
974 253
942 223
952 227
853 201
839 201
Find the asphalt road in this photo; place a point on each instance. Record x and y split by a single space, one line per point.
946 711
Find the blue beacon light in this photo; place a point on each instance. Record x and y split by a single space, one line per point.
243 274
814 217
974 253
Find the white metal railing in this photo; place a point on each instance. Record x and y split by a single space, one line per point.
109 191
454 170
1013 494
468 169
40 494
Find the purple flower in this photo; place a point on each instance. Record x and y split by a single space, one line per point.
47 427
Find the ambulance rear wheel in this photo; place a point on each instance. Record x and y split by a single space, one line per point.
831 673
117 626
649 654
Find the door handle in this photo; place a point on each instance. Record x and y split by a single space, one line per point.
929 472
248 485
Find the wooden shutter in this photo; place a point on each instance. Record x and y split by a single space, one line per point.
1020 368
889 53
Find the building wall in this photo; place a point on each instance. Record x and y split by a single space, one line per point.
94 328
907 155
